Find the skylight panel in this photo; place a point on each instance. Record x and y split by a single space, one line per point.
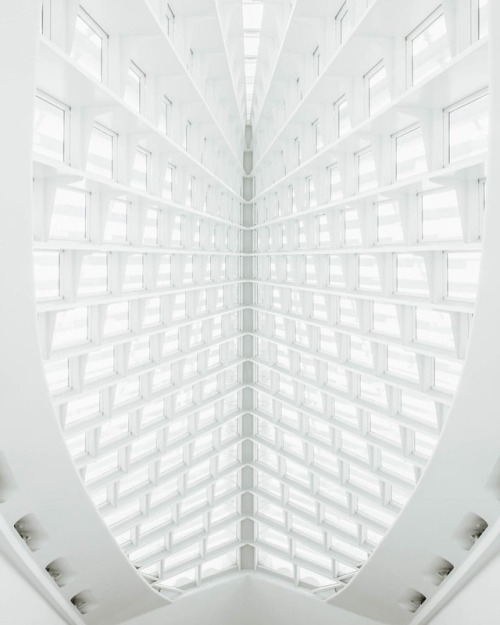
424 444
115 230
463 275
104 466
219 564
69 215
419 407
274 563
100 363
93 275
440 216
115 516
133 480
331 491
252 21
114 429
47 275
446 374
326 460
101 154
402 363
189 528
298 390
71 328
433 327
427 47
51 128
389 225
57 374
307 577
305 553
77 445
90 46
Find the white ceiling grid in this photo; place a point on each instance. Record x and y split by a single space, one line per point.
271 408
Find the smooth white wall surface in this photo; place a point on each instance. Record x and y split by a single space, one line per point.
250 600
477 603
20 603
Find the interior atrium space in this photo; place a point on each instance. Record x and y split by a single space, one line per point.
249 327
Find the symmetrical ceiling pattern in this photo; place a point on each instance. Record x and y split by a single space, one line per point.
255 380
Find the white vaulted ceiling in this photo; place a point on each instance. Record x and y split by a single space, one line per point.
257 233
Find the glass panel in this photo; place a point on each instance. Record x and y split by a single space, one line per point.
411 275
134 86
101 152
49 130
89 46
447 374
167 115
47 274
252 20
388 429
134 273
434 328
71 328
367 175
151 227
468 129
335 182
424 444
397 466
115 230
57 374
372 390
168 185
93 275
418 407
440 216
463 275
402 363
361 351
342 24
140 169
428 48
483 26
385 319
389 225
352 227
82 408
377 88
348 312
369 275
69 215
343 121
100 364
117 319
410 154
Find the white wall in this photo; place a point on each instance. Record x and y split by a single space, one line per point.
250 600
477 603
20 603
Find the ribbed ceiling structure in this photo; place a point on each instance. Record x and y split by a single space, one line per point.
257 239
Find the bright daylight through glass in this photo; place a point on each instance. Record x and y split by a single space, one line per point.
256 381
252 21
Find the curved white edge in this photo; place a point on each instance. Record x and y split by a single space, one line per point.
41 479
463 476
250 599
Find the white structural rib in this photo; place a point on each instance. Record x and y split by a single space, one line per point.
255 381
